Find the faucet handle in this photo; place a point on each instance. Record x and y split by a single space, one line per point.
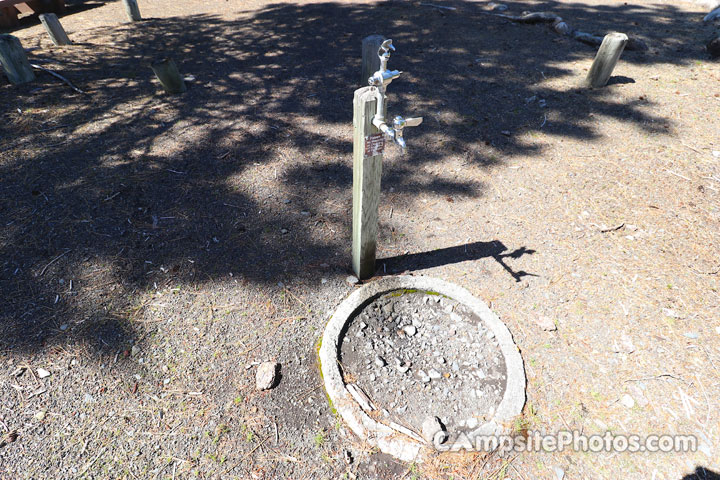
399 122
413 122
385 48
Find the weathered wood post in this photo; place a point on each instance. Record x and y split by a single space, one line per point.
166 71
132 10
370 59
54 29
14 61
607 57
370 127
368 145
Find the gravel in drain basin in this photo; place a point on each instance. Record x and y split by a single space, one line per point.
418 355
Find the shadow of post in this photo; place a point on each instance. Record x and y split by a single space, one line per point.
461 253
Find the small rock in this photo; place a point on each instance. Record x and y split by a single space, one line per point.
497 7
433 431
351 280
627 401
39 416
42 373
403 367
363 325
63 327
434 374
490 335
639 396
562 28
546 323
283 231
441 360
305 213
410 330
472 422
692 335
423 377
506 133
379 361
134 350
87 398
323 281
266 375
559 473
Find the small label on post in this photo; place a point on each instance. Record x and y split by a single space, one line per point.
374 144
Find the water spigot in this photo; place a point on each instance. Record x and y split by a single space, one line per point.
380 80
383 77
399 123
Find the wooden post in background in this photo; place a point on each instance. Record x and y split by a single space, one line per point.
607 57
14 61
54 29
132 10
166 71
367 170
370 59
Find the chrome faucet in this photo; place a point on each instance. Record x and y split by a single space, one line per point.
380 80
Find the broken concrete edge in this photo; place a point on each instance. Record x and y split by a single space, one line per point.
380 435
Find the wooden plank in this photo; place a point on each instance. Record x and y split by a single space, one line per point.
8 17
367 171
607 57
54 29
166 71
14 61
10 3
370 58
132 10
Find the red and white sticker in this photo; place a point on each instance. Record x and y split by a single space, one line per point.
374 144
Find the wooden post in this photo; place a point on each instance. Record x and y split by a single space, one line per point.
367 170
54 29
370 59
606 59
166 71
132 10
14 61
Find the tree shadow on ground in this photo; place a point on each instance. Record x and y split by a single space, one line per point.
702 473
126 190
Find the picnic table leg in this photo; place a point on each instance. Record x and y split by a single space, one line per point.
8 17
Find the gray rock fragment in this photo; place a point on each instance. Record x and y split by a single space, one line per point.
266 375
433 431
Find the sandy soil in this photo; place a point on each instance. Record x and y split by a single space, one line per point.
143 262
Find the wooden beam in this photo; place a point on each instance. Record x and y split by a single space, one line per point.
370 58
54 29
367 170
607 57
14 61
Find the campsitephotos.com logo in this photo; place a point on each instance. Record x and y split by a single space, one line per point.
566 440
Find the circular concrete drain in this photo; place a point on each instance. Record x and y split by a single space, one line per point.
402 350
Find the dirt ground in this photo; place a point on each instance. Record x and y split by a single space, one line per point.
153 248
